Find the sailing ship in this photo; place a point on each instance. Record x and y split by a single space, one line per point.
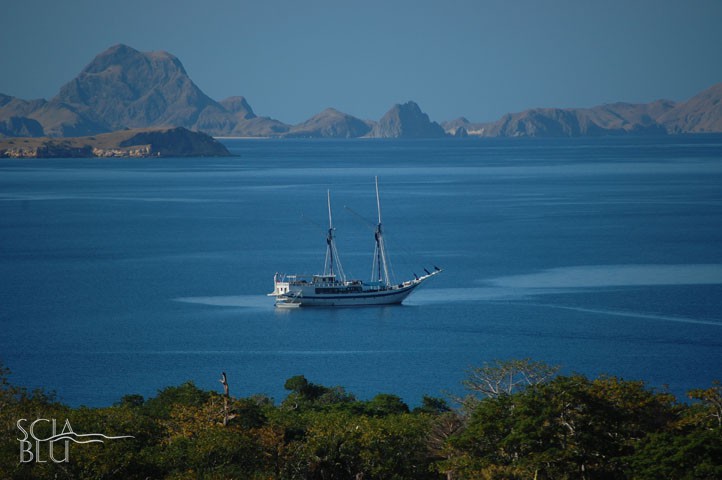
333 289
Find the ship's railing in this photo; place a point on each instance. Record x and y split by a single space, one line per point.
315 280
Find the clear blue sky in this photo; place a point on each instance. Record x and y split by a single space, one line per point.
293 58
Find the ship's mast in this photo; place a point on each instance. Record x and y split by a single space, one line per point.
380 252
332 265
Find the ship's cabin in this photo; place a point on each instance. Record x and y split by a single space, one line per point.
324 279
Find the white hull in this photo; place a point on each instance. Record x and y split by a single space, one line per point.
386 297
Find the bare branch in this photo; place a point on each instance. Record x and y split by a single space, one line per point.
508 376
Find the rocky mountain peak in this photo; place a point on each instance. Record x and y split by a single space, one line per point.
406 121
123 87
239 106
129 59
700 114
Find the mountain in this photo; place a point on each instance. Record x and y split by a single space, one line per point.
238 120
20 127
612 119
406 121
239 107
615 119
124 88
55 118
330 124
700 114
257 127
628 117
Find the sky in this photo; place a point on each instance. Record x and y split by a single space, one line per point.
292 58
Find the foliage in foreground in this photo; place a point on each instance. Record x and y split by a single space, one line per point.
520 420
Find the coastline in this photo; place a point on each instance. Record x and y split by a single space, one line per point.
137 143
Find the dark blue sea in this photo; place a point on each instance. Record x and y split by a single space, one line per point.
603 256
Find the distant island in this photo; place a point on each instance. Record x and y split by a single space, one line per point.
168 142
123 88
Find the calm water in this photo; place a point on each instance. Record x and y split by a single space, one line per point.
125 276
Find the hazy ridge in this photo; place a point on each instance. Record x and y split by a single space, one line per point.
124 88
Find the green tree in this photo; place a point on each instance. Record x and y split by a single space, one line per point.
394 446
690 449
132 401
130 458
711 398
683 455
186 394
385 404
569 427
332 446
432 406
19 403
306 395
